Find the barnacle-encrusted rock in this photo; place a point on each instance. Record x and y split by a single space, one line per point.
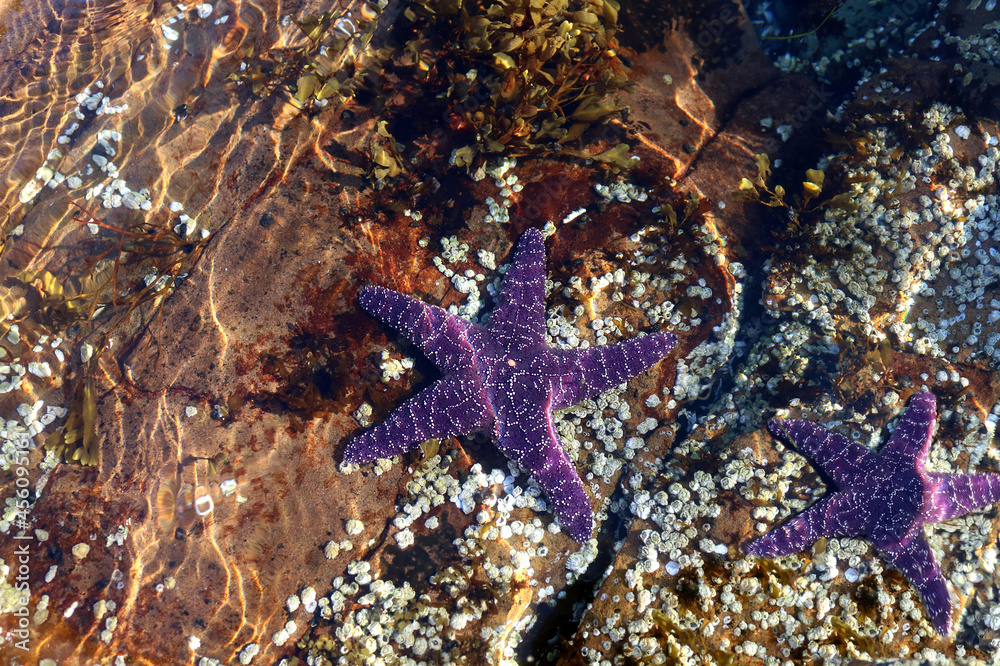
877 288
227 363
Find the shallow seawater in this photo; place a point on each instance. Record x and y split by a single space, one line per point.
193 194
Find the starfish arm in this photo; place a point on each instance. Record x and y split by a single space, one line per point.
451 406
958 494
518 320
843 460
440 335
831 516
911 439
531 442
600 368
916 562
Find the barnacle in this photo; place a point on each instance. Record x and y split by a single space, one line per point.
166 511
260 551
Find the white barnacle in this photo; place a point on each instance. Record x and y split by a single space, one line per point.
169 33
204 505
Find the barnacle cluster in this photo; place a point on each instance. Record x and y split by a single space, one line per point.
867 303
830 40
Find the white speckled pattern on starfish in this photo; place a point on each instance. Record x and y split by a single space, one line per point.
503 378
884 497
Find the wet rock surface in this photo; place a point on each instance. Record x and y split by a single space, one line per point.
222 526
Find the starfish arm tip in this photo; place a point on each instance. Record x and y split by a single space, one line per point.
761 547
794 431
917 564
937 605
579 529
570 505
533 445
357 455
911 440
667 342
959 494
533 233
603 367
844 461
369 446
368 296
824 518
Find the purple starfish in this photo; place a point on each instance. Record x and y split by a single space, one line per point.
885 497
503 378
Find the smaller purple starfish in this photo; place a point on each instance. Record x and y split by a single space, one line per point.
503 378
885 497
